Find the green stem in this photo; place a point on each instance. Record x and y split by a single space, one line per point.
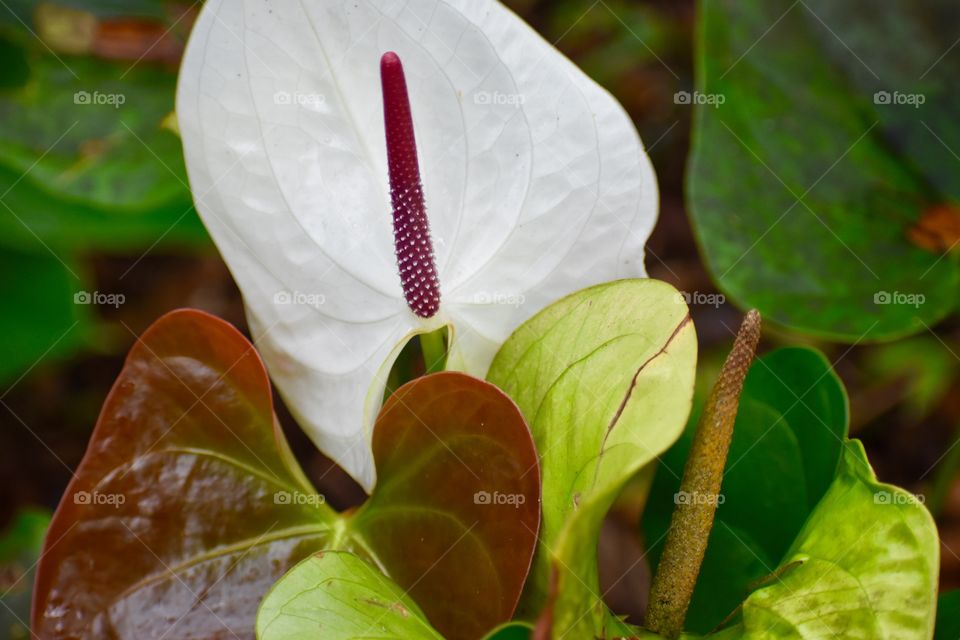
697 500
434 350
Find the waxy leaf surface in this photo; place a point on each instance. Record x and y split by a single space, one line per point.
458 500
605 377
188 505
804 183
339 596
176 519
864 566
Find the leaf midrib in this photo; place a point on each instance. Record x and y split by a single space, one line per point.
245 544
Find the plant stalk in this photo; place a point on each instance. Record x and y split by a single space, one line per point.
434 350
699 492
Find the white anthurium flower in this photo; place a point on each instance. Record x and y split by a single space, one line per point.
534 179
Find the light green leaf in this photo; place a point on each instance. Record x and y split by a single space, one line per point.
337 596
605 379
341 597
863 567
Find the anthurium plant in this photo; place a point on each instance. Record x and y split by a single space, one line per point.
374 172
535 179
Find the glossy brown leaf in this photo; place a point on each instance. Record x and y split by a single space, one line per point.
175 523
189 506
457 508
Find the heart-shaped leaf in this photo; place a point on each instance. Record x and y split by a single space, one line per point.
605 377
337 596
787 442
458 500
175 521
188 505
805 184
864 566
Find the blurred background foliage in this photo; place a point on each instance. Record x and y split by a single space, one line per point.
98 238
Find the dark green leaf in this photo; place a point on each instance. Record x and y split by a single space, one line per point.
86 160
511 631
948 616
99 125
40 319
800 196
32 219
907 53
786 444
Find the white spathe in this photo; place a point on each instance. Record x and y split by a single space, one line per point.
536 185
